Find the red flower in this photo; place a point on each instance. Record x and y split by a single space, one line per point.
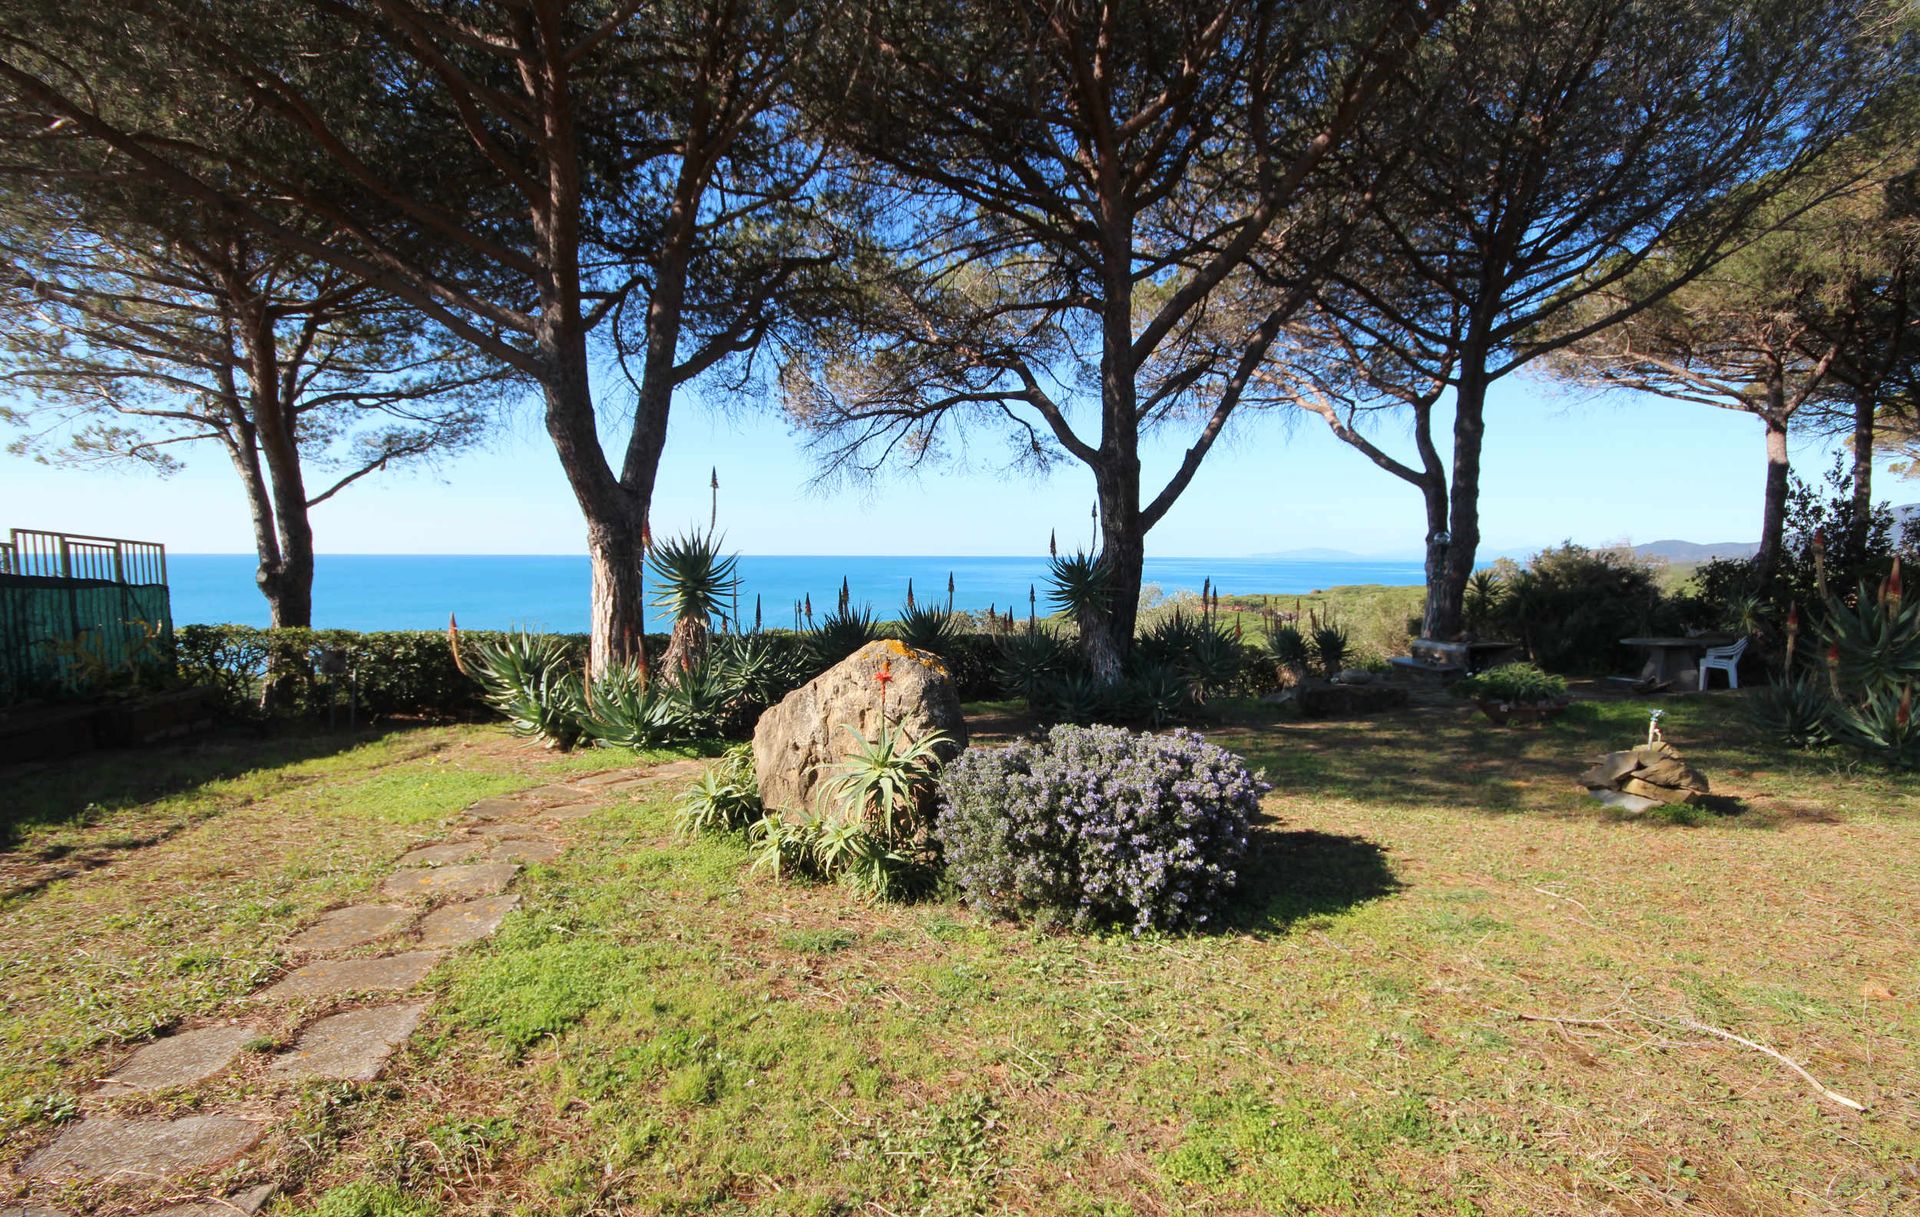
885 673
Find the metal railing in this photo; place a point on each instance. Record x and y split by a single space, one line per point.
80 614
65 555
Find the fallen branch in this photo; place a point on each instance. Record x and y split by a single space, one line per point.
1689 1024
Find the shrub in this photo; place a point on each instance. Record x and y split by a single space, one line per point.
726 798
1571 606
1098 824
1518 684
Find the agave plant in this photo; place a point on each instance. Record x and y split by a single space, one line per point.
1072 698
1212 662
626 710
1797 710
1330 646
761 669
928 628
694 582
1880 726
724 799
841 633
1079 585
529 679
1485 599
1877 638
702 700
888 782
1288 648
1027 661
1157 695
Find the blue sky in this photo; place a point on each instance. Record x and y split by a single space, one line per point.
1596 469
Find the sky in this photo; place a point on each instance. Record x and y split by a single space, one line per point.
1596 469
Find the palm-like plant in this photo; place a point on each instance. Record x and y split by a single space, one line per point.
694 582
1081 586
1485 599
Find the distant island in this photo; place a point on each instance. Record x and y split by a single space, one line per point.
1695 551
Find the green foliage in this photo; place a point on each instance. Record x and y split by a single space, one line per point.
1330 642
626 709
871 832
1080 586
1796 710
1288 648
1869 650
1521 684
841 633
530 679
1028 661
1485 601
763 668
926 627
1198 650
692 578
887 783
1571 606
724 799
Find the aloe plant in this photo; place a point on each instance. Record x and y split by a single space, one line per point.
528 678
694 582
1081 585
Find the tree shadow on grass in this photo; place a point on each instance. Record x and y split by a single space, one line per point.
1292 875
87 788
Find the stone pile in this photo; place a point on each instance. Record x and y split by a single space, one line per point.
1637 778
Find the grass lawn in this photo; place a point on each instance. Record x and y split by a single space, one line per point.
658 1031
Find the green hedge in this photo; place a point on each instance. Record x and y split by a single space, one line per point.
411 673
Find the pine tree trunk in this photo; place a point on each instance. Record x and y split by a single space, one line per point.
1863 439
1446 594
1773 513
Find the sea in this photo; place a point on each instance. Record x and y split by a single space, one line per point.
549 591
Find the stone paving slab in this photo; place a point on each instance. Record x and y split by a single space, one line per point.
350 927
474 879
504 830
553 792
154 1149
572 811
239 1204
493 809
333 977
520 849
32 1210
350 1047
179 1060
456 925
443 854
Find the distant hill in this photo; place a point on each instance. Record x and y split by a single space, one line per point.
1695 551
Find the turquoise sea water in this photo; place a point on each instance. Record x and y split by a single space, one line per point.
549 591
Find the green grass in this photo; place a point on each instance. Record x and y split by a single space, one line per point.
656 1030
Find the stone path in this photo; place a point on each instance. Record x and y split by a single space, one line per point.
444 895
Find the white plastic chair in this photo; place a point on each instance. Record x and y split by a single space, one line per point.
1725 659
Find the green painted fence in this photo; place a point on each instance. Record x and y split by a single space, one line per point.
81 615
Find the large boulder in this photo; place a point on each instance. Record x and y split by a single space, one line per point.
797 743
